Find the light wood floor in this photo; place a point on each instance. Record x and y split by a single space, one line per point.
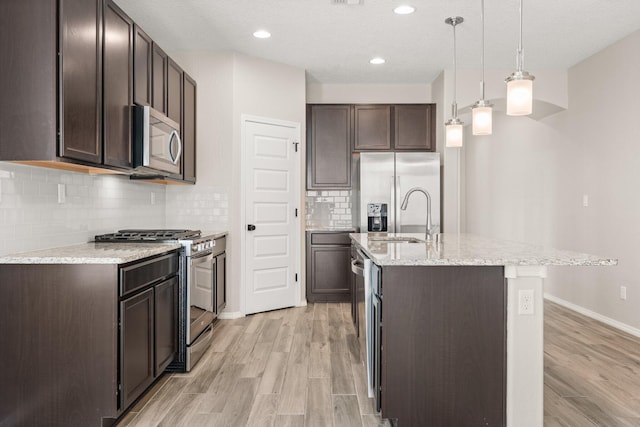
300 367
592 372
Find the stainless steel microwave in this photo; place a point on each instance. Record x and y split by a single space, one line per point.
157 146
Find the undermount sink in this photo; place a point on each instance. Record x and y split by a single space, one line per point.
396 239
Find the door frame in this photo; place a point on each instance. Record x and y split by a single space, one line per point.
244 119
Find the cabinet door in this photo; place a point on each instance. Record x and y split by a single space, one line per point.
329 273
329 146
221 283
142 58
159 79
174 91
372 127
136 346
80 44
166 324
188 129
117 84
414 128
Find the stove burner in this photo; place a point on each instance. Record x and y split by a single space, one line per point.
147 235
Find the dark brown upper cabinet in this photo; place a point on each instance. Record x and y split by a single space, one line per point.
372 127
80 39
414 127
329 145
142 60
188 129
118 86
67 84
159 65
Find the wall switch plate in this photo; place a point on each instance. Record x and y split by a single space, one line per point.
62 193
0 191
525 301
153 198
623 292
585 200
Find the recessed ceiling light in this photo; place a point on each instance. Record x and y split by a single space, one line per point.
262 34
377 60
404 9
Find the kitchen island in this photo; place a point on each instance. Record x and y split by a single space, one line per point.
459 329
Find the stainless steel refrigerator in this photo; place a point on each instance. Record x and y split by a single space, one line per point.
386 178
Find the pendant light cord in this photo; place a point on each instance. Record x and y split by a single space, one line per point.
520 58
454 106
482 41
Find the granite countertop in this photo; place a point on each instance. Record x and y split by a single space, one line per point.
469 249
91 253
216 234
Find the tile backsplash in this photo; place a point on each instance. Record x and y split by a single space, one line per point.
329 209
32 217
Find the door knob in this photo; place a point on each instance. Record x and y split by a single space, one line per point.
251 227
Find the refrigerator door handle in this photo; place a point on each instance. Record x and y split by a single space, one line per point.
391 209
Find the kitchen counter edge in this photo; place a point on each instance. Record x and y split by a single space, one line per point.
468 250
91 253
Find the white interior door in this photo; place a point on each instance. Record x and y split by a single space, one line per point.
272 179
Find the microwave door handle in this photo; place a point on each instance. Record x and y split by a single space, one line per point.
175 137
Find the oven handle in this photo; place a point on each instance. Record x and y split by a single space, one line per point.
202 258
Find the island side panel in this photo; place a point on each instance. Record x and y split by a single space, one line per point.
58 335
444 345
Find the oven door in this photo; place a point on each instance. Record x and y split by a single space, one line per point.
200 295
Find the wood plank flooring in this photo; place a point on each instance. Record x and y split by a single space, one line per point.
592 372
301 367
294 367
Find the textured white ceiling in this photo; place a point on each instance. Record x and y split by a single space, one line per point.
335 42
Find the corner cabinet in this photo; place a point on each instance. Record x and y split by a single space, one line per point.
329 145
328 266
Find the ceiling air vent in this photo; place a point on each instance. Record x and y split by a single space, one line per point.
347 2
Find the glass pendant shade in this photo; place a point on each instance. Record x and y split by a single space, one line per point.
453 134
519 96
482 120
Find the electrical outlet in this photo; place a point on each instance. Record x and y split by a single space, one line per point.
585 200
153 198
623 292
525 301
62 193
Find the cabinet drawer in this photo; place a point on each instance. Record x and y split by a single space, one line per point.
330 239
139 275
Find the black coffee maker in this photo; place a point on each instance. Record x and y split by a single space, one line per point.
376 217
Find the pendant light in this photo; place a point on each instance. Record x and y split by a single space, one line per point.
453 127
482 111
519 84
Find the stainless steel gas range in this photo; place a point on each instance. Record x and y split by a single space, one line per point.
202 290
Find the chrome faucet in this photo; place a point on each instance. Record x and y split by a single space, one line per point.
405 202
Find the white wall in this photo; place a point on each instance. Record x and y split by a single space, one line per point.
527 181
230 85
324 93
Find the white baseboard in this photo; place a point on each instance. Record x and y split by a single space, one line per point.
226 315
302 303
592 314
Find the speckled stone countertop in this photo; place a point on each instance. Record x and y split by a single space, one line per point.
91 253
468 249
319 229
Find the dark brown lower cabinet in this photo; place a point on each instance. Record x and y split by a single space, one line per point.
328 266
136 343
65 360
166 324
443 345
